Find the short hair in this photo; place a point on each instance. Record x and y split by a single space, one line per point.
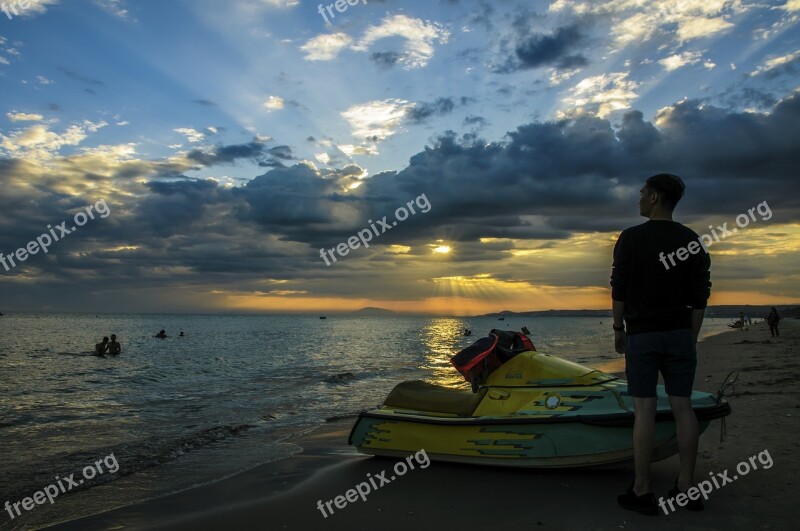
670 187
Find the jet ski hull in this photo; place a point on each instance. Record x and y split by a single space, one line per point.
551 427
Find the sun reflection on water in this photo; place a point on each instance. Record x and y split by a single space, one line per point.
443 337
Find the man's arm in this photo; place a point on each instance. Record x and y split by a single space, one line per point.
701 290
697 321
618 310
620 269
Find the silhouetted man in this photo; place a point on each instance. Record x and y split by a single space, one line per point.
663 309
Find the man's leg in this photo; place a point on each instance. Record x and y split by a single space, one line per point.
644 433
688 434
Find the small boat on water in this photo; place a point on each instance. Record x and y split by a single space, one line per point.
322 317
528 409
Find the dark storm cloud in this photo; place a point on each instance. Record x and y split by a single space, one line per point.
176 206
424 110
536 50
479 121
287 199
551 50
282 152
748 97
565 172
229 154
385 59
256 151
544 181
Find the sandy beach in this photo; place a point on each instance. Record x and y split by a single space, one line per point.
284 494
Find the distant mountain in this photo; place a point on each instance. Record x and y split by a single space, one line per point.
371 310
732 311
551 313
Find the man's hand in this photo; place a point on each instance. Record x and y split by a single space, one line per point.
619 341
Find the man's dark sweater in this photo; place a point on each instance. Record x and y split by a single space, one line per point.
657 297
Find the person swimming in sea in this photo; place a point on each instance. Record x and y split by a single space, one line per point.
161 335
100 349
114 348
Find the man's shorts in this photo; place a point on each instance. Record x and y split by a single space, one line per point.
673 352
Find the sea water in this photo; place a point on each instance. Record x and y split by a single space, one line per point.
230 395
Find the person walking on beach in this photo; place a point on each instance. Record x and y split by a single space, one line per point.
114 348
772 320
101 348
663 311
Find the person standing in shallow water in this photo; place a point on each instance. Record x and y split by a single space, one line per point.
663 311
101 348
114 348
772 320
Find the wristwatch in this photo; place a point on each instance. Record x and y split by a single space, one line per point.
618 328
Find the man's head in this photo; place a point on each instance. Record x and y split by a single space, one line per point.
113 337
105 340
660 192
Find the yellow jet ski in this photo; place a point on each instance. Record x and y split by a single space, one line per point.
527 409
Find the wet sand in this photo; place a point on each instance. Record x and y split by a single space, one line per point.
284 495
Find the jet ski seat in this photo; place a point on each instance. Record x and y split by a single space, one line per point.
421 396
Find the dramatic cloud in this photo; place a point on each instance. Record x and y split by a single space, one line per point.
39 143
376 120
423 111
420 37
325 47
24 117
556 49
228 154
192 135
226 177
771 67
601 95
635 21
274 103
676 61
418 48
385 59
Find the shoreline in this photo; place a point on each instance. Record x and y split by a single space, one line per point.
765 417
